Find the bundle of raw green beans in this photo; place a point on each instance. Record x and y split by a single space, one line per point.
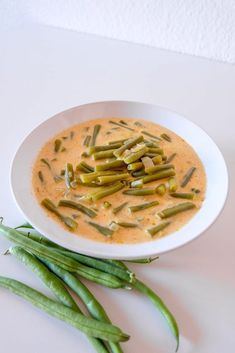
60 269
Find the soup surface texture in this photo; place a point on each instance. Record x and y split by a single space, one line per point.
58 175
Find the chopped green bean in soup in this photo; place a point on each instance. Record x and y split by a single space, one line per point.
102 174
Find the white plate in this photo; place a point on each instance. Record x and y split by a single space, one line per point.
211 157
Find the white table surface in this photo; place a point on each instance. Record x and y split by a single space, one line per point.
45 70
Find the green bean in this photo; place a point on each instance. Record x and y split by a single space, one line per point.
118 209
187 177
25 225
138 173
171 157
69 175
127 145
151 144
154 230
107 204
57 145
150 135
93 306
159 167
63 261
165 137
172 184
69 222
87 140
101 229
127 224
134 156
103 154
183 195
139 192
171 211
84 167
46 162
159 175
40 176
157 301
156 150
87 325
94 149
135 166
89 177
120 125
99 264
161 189
50 280
137 184
79 207
96 131
144 261
108 190
157 159
196 191
117 141
84 154
107 179
143 206
71 135
108 166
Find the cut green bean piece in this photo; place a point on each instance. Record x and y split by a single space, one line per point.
87 325
69 175
144 261
84 167
187 177
87 140
107 179
89 177
78 206
69 222
165 137
85 154
155 150
150 135
135 166
108 190
117 141
103 154
127 225
159 175
127 145
159 167
138 173
171 211
95 134
134 156
120 125
154 230
183 195
107 204
161 189
157 159
172 184
137 183
110 165
118 209
170 158
101 229
143 206
139 192
40 175
196 191
46 162
71 135
57 145
94 149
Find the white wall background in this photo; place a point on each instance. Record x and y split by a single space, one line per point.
198 27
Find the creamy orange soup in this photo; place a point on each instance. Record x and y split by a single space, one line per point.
49 181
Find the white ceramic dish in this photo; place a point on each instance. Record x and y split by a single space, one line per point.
211 157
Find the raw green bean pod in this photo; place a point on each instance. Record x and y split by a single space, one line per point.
87 325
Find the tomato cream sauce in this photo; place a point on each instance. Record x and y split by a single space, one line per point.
71 150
